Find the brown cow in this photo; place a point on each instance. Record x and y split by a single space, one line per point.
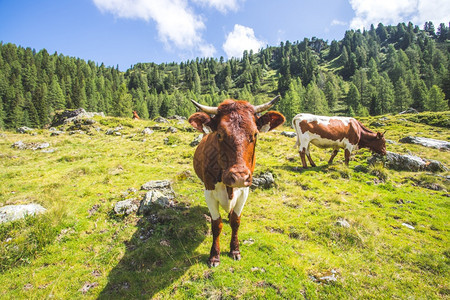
225 159
135 115
334 132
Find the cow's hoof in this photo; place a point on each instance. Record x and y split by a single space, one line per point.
236 255
214 261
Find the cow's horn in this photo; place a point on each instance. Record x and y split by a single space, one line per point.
266 106
207 109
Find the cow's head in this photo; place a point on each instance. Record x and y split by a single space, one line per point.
378 143
235 126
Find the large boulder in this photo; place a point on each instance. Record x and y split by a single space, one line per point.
426 142
407 162
68 116
25 129
14 212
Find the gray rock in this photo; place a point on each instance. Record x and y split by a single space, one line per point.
76 132
14 212
161 120
290 134
171 130
409 111
68 116
155 197
407 162
147 131
125 207
264 180
160 192
175 117
114 131
156 184
197 140
408 226
426 142
56 133
377 124
383 119
24 129
342 223
31 146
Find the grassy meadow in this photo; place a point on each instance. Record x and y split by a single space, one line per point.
289 234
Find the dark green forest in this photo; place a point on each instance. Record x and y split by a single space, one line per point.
385 69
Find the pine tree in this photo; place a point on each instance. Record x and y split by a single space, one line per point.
55 96
402 96
436 100
123 104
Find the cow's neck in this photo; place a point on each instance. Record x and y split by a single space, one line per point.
365 138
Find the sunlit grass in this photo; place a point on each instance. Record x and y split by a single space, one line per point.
289 234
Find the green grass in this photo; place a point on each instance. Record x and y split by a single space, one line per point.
288 233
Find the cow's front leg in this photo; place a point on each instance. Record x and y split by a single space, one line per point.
308 154
235 221
347 156
333 155
214 255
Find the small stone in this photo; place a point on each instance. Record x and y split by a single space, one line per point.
408 226
147 131
290 134
342 223
197 140
125 207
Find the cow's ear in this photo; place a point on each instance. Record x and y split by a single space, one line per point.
202 122
269 121
380 135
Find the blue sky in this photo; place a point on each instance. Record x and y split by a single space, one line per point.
126 32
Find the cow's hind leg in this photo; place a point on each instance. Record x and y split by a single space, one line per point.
302 156
308 154
333 155
235 221
214 255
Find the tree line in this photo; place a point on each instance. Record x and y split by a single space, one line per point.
370 72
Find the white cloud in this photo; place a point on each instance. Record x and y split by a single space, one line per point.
392 12
221 5
338 23
176 22
240 39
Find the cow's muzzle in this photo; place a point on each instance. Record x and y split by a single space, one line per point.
237 177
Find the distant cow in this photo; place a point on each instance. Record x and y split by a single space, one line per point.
225 159
135 115
334 132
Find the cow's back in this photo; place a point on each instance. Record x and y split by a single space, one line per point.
326 131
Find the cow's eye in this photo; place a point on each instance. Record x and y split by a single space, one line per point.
219 136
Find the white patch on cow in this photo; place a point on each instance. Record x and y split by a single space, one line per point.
219 196
265 128
320 119
206 129
305 138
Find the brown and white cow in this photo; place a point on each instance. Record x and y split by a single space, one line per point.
225 159
334 132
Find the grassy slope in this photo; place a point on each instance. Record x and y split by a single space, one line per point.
289 231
